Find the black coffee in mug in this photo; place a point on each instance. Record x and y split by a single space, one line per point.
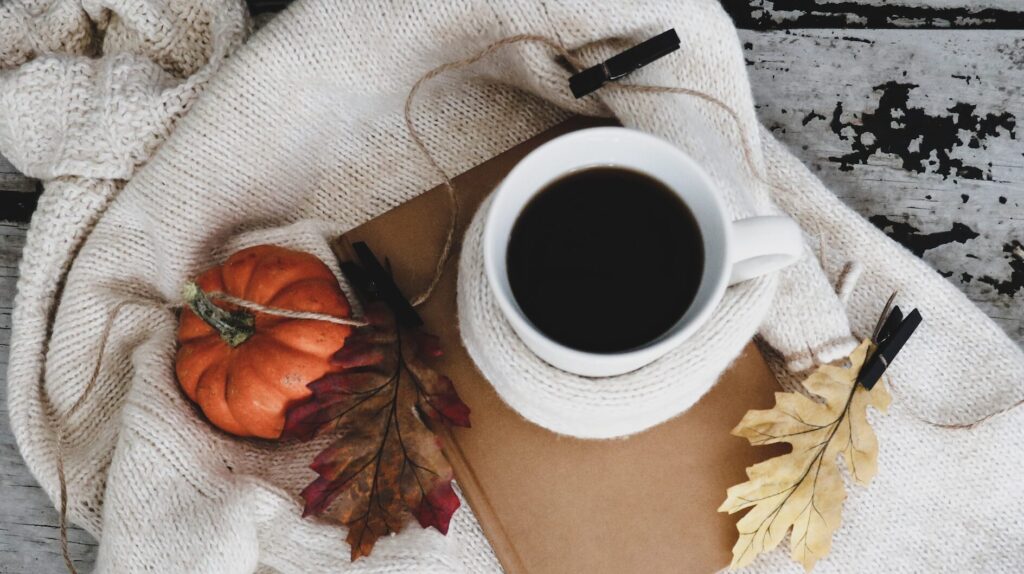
605 260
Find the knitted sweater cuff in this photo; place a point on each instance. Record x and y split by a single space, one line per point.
807 323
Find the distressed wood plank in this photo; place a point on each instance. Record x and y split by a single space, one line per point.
917 131
29 537
800 78
12 180
18 194
876 14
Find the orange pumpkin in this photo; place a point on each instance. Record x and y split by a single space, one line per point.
245 368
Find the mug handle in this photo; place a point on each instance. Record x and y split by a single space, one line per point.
764 244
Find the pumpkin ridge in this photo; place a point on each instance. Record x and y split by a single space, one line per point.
238 270
218 385
189 355
266 346
335 304
326 284
203 356
295 266
268 336
242 411
245 386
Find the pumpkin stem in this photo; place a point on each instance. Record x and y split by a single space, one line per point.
235 327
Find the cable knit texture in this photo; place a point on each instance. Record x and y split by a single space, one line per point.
298 137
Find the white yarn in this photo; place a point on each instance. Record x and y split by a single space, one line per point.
591 407
300 136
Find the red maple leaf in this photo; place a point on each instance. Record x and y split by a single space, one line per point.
386 465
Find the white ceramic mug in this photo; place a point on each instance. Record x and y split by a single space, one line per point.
734 251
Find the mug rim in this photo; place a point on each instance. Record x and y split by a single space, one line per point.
611 363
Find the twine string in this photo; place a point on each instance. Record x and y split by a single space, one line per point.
60 426
446 250
288 313
971 425
420 299
59 422
748 157
449 185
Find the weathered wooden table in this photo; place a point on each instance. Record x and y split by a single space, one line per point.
907 110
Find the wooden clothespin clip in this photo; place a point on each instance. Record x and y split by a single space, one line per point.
617 66
891 333
374 282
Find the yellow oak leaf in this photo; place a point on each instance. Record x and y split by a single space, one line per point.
803 490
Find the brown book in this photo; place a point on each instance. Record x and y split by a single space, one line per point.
550 503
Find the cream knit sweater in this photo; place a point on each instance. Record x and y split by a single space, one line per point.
298 137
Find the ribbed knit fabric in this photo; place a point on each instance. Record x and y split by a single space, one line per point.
598 407
298 137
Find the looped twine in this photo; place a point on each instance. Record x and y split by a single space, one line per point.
450 237
59 422
851 272
453 199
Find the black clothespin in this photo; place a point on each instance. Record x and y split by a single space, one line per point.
372 281
891 333
632 59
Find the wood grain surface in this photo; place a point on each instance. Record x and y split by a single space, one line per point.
907 110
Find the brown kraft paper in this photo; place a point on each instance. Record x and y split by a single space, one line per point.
557 504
